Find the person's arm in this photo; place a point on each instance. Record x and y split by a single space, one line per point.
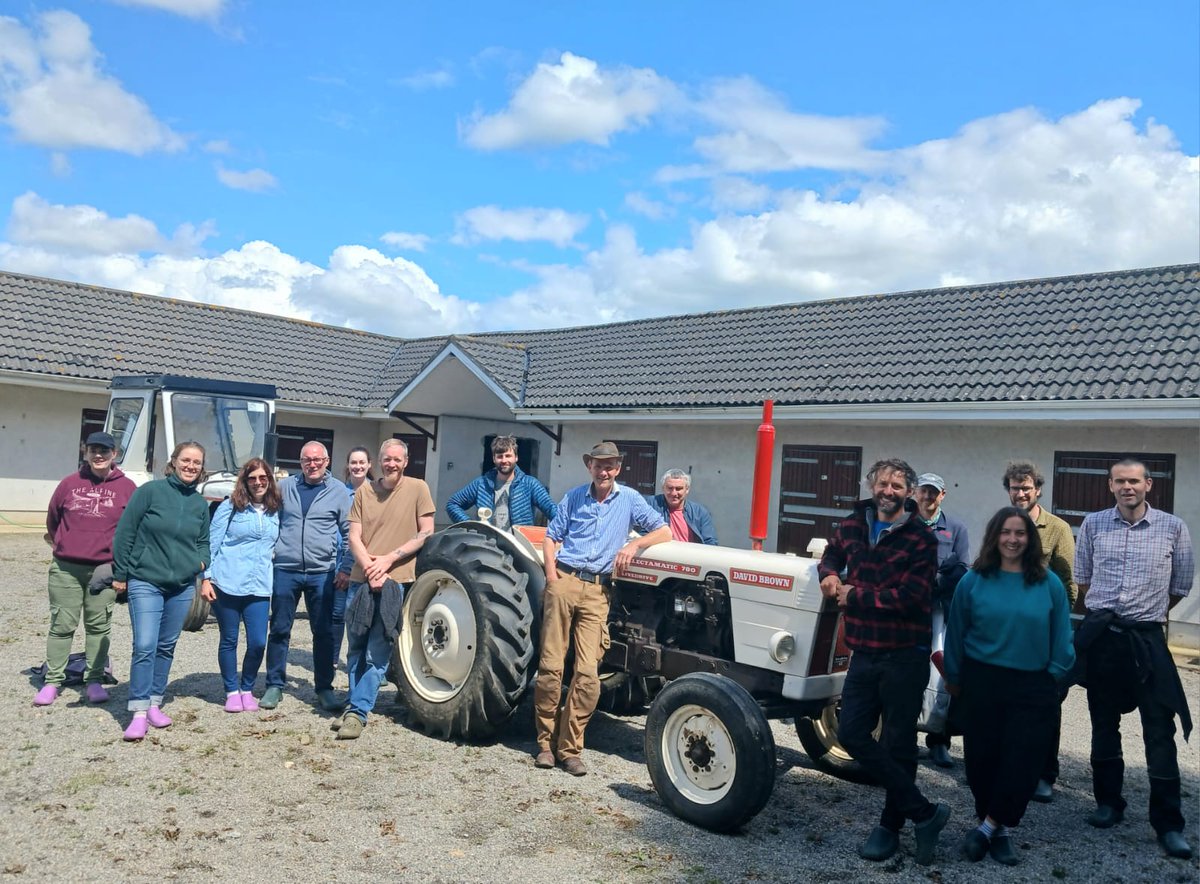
629 551
1183 567
541 499
550 558
379 566
962 544
461 500
203 547
833 560
1061 558
217 530
555 532
126 535
1082 572
54 513
345 562
704 526
1062 639
957 625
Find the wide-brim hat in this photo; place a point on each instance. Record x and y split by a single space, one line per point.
603 451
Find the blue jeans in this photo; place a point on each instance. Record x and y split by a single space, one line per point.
317 590
156 615
231 611
341 597
890 684
367 659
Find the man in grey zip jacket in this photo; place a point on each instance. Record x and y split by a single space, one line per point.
313 532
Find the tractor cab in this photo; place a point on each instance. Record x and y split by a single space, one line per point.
149 415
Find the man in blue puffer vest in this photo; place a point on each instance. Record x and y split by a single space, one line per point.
690 522
509 493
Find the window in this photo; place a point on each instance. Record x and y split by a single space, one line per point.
639 470
418 451
1081 482
91 422
292 439
527 454
123 416
818 486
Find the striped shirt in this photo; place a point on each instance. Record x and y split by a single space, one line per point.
592 532
1132 569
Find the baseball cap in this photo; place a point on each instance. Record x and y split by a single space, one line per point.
931 479
101 440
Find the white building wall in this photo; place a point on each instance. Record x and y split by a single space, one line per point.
972 459
39 438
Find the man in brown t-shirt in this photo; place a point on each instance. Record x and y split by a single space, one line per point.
389 521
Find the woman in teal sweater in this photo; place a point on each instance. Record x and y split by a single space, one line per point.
160 546
1008 643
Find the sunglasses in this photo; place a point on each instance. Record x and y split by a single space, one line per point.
257 480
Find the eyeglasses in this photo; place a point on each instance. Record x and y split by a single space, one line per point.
257 480
312 461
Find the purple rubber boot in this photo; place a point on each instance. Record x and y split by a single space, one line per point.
137 729
96 693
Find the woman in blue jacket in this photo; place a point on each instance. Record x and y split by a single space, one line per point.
1007 645
243 534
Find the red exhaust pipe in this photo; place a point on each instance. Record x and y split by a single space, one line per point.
760 499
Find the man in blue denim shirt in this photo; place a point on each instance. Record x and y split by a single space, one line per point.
593 525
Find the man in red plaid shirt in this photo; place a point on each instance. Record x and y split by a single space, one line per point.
889 558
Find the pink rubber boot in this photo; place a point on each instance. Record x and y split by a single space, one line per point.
137 728
47 695
249 704
158 718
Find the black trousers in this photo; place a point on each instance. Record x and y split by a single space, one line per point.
1009 717
888 684
1111 690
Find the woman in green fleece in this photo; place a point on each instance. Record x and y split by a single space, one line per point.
1008 643
160 546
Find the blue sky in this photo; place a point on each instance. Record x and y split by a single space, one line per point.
416 169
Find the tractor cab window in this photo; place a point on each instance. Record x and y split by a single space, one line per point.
123 417
231 430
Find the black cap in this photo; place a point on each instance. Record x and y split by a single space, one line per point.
101 440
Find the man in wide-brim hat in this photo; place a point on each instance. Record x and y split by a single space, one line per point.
592 525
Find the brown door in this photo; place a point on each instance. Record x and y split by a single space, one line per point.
1081 483
818 485
418 451
640 465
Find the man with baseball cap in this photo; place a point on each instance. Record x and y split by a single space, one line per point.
953 558
592 525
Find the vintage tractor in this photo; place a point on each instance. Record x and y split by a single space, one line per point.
234 421
718 640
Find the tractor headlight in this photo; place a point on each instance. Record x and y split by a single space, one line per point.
782 646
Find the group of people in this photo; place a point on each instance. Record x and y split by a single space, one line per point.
899 561
333 543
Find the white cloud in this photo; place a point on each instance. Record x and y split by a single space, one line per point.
217 145
759 134
60 164
423 81
574 100
253 180
638 202
79 229
521 225
198 9
409 242
366 289
57 96
739 194
1008 197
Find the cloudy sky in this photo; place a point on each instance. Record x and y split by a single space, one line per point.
420 168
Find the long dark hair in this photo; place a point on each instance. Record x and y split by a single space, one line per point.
242 498
370 477
988 562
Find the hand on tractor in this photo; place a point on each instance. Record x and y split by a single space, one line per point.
829 586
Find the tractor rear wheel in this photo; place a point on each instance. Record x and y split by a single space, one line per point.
465 654
818 736
197 614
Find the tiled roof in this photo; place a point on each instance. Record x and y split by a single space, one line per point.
80 331
1104 336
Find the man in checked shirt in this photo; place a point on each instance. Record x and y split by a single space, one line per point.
1133 563
889 556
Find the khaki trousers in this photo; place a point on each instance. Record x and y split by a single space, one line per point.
570 609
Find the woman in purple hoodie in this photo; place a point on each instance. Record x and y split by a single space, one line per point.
80 523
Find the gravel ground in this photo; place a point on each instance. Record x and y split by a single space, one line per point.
271 796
